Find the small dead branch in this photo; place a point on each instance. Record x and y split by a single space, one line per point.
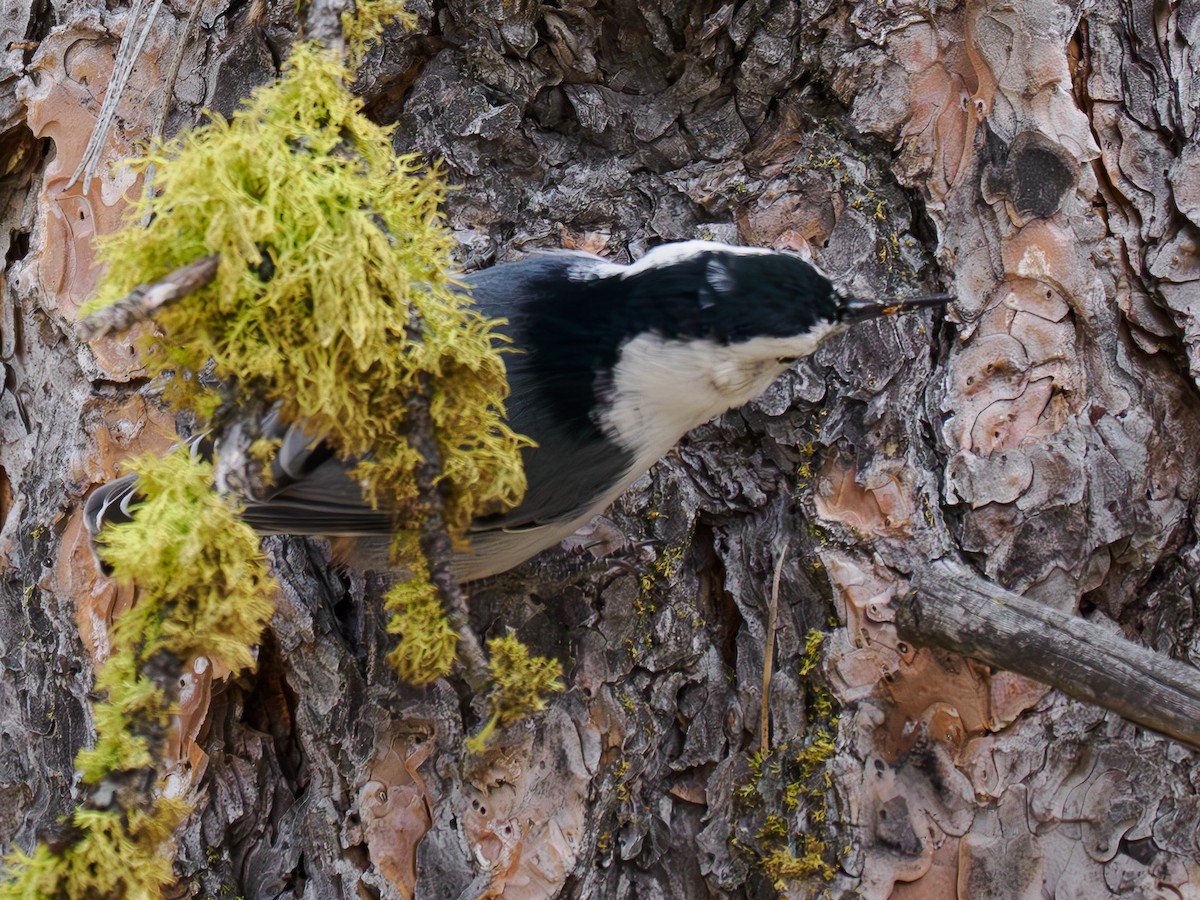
189 34
130 51
764 724
160 128
146 299
955 609
434 538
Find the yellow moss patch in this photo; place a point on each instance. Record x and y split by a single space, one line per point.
363 25
116 856
334 295
203 582
427 645
783 866
203 589
784 824
520 685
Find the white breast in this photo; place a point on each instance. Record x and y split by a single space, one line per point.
661 389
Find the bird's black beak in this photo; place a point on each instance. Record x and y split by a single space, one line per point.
854 309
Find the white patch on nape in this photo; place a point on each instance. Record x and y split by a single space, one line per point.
586 266
720 281
661 389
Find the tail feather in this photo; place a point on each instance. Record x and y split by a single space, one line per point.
109 504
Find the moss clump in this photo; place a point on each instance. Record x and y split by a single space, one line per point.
813 641
427 644
203 583
426 649
520 685
783 821
782 865
203 589
334 295
116 855
363 25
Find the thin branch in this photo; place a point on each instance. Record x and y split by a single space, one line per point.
160 127
189 32
953 608
127 55
146 299
764 723
434 538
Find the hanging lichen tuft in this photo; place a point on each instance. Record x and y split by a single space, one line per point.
426 644
363 25
521 683
203 590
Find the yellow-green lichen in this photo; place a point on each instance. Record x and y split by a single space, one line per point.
363 25
521 683
784 822
651 596
203 585
783 866
334 295
116 855
203 588
426 647
129 697
662 571
622 789
812 650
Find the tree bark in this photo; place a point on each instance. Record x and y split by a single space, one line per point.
1039 158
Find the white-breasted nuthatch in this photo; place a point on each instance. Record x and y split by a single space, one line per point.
613 365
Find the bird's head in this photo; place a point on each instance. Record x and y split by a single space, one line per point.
715 326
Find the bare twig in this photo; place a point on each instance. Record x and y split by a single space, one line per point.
955 609
435 542
764 723
131 48
189 32
146 299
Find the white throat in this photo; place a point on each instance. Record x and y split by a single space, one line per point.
661 389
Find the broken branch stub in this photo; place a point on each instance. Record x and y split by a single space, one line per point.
954 609
145 300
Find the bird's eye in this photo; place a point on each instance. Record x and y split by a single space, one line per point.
786 360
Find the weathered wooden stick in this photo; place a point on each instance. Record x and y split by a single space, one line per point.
953 608
146 299
764 721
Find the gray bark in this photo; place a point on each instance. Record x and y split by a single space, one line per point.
1041 157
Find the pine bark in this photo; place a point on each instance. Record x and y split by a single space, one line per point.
1040 158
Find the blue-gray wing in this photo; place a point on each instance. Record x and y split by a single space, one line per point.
314 492
552 364
573 465
552 367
